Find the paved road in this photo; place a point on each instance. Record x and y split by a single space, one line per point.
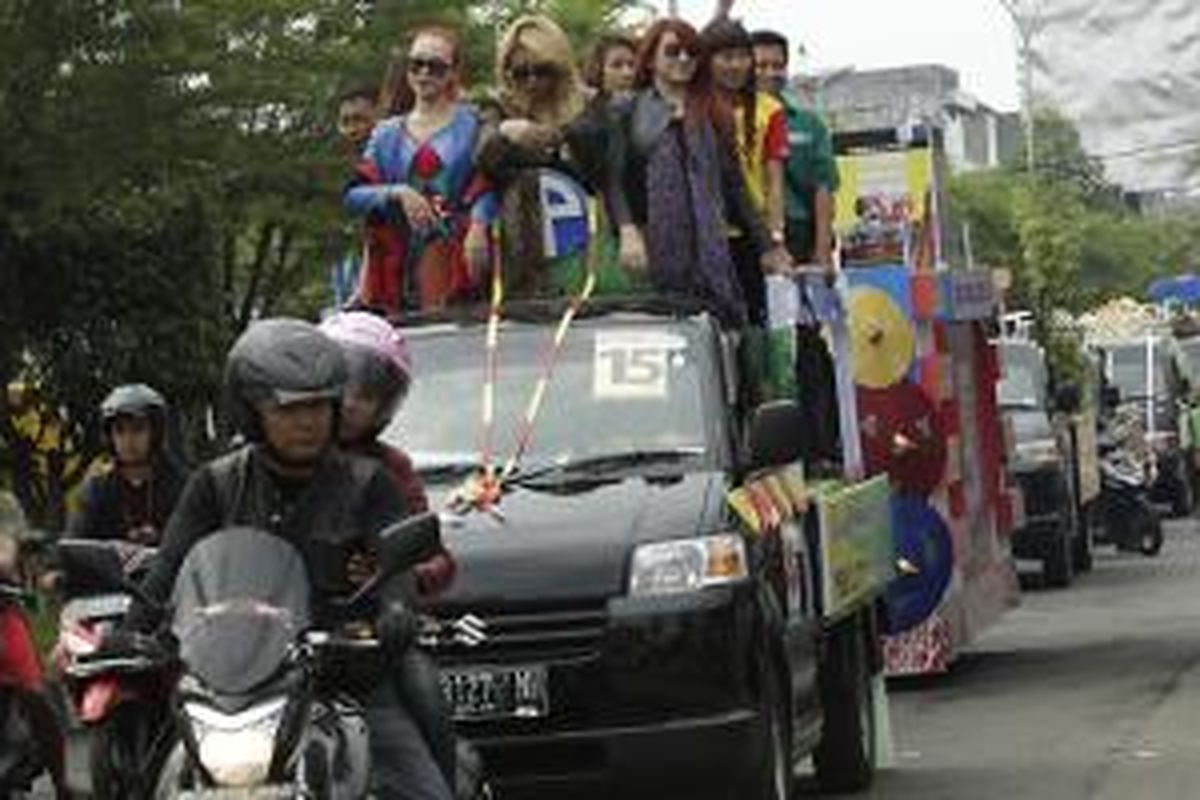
1090 692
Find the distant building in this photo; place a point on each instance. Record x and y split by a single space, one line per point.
976 135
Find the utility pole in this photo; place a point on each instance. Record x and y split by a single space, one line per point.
1027 17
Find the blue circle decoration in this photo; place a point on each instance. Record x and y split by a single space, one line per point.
923 543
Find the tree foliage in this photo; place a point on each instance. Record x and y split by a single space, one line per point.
168 172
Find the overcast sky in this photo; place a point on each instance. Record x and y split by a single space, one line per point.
972 36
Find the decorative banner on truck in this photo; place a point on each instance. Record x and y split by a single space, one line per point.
857 546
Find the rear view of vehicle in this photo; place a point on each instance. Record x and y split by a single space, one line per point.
1042 464
1146 372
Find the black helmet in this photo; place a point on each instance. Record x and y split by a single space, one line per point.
134 400
280 361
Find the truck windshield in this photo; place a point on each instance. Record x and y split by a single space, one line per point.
634 389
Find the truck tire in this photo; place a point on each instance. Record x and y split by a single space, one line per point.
1057 565
1182 498
775 775
1082 546
1149 534
845 758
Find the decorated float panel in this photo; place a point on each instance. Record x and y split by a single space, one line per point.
925 374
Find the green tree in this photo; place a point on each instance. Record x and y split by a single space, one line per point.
168 172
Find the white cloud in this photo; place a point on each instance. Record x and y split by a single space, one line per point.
972 36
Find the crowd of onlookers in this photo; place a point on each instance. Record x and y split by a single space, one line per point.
683 153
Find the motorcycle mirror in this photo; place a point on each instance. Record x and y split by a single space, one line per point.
91 566
404 545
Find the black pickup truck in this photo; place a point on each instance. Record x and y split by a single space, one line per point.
615 628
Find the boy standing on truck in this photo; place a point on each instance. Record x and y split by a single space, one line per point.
810 180
811 176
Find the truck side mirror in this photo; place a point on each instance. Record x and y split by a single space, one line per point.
776 435
1068 399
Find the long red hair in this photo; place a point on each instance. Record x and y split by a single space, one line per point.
699 105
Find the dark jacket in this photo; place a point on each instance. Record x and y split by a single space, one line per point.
329 517
112 508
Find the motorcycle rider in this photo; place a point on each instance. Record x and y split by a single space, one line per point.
20 669
284 380
133 498
380 373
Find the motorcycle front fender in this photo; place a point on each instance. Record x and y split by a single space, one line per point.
99 699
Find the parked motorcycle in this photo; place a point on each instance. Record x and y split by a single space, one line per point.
118 694
264 704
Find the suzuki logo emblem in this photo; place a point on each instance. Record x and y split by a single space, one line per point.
468 631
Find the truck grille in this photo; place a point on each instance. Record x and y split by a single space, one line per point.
515 635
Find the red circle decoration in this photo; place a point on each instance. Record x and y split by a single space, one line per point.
902 436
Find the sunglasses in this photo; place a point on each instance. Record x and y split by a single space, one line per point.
541 72
677 52
434 67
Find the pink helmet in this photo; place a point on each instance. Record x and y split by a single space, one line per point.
377 354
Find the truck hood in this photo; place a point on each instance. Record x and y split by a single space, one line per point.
574 543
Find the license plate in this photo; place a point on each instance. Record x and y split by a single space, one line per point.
496 692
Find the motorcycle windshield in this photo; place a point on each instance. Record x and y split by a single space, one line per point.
241 600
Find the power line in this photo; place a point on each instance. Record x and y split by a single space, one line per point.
1132 152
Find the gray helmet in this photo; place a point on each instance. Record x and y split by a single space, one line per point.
134 400
279 362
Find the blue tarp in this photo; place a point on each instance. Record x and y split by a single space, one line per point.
1180 289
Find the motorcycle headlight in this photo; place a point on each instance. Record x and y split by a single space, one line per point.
237 749
686 565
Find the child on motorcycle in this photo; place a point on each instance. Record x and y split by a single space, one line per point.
380 370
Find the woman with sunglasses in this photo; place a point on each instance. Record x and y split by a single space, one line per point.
538 128
682 183
428 211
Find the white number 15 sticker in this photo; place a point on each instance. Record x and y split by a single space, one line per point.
634 365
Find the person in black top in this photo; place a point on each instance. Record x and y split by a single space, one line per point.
284 380
133 498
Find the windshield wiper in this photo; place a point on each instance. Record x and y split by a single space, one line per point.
608 462
448 470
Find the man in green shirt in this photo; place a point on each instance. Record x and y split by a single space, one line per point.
812 176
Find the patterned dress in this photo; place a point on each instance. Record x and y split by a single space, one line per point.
407 269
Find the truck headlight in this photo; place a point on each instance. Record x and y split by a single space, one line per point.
237 749
687 565
1040 452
